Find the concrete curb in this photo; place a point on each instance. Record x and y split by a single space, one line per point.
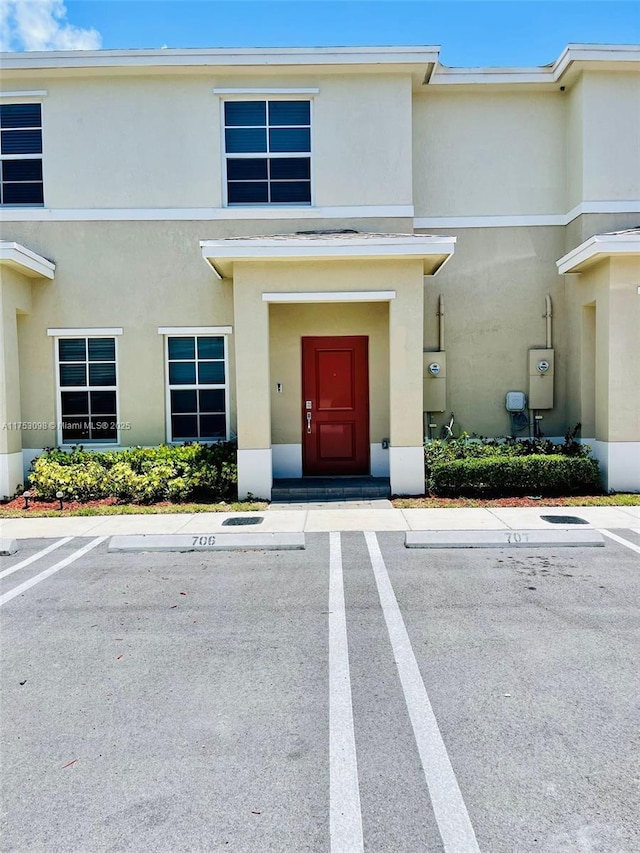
503 539
183 542
8 547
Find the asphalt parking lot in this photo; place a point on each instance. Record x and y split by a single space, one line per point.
354 696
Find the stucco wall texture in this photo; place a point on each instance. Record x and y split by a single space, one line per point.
123 148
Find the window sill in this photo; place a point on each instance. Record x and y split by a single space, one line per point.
268 205
182 441
90 445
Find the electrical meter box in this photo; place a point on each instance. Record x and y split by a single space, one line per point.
541 372
434 381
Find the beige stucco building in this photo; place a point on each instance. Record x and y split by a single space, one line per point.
321 252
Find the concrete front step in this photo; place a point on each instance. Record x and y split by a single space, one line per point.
330 489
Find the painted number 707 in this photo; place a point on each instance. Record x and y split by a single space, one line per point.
204 540
514 538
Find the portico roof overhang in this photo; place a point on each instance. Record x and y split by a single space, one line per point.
433 250
598 247
25 261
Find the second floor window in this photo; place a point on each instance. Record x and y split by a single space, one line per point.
21 154
267 151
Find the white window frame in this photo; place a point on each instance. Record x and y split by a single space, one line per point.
17 99
57 334
266 96
195 332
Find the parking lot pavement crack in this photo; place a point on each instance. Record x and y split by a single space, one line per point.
504 523
188 518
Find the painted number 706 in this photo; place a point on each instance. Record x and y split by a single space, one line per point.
204 540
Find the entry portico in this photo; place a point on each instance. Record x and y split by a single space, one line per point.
603 296
20 268
351 304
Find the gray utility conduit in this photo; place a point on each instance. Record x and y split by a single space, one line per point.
440 315
534 430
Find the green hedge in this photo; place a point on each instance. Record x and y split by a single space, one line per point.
190 472
502 476
468 447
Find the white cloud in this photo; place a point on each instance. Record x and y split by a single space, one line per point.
42 25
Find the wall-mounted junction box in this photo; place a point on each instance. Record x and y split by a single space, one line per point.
434 381
515 401
541 373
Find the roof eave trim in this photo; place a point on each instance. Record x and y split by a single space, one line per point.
25 261
221 254
417 56
598 247
550 75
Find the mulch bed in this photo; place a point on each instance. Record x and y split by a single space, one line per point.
39 506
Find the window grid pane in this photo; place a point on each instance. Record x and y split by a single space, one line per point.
198 407
88 415
279 128
21 181
20 115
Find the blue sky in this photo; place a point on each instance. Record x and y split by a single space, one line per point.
507 32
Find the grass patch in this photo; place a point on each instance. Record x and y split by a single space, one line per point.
621 499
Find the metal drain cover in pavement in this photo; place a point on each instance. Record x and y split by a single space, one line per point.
236 521
560 519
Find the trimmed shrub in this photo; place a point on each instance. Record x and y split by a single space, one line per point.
197 472
83 481
502 476
504 467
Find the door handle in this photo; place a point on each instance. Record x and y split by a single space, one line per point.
309 423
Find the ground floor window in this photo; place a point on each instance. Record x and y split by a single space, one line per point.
197 389
87 382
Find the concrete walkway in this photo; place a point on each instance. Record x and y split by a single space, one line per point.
330 517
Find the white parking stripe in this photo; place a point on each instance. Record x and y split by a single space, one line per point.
450 811
345 817
18 590
35 557
622 541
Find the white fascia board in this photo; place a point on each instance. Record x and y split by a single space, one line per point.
531 219
25 261
617 206
267 247
37 93
85 333
156 214
222 57
332 296
507 221
594 53
222 254
443 76
195 330
393 211
599 244
549 74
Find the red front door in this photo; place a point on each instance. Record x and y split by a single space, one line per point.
335 406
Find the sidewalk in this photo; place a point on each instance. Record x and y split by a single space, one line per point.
322 519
